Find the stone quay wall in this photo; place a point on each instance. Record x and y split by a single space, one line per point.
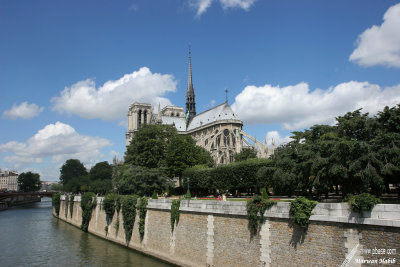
215 233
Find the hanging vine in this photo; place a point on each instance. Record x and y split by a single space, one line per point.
256 208
129 215
176 203
109 208
301 210
71 205
142 207
117 208
88 203
56 203
66 204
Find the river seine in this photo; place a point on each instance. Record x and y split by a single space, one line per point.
30 236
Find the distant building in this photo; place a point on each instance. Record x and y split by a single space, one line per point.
46 185
218 130
9 180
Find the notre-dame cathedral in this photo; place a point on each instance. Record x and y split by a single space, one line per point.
219 129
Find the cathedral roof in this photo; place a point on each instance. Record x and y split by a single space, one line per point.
218 113
178 122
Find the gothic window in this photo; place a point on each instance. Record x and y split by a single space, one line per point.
206 142
145 117
172 114
139 118
222 160
177 114
233 140
230 156
226 137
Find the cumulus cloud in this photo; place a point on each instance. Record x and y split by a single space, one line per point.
202 5
22 111
111 101
274 138
297 107
380 45
57 141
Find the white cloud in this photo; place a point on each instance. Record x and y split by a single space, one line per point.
57 141
111 101
380 45
274 137
297 107
244 4
22 111
202 5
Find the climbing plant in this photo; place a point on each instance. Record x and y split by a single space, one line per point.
301 210
71 205
66 205
142 207
176 203
109 208
88 203
117 208
256 208
128 215
56 203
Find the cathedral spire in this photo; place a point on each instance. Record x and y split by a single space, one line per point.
190 98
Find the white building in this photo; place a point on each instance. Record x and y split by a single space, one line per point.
9 180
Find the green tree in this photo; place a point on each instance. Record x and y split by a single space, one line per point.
246 153
139 180
101 171
72 168
182 153
148 147
29 182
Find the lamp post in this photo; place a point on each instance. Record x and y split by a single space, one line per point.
187 195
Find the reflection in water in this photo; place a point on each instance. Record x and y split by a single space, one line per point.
30 236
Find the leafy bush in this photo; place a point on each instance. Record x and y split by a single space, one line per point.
176 203
154 196
88 203
129 215
301 210
363 202
56 203
256 208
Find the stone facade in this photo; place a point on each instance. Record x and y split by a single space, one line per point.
9 180
215 233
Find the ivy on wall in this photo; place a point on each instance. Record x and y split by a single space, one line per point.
88 203
176 203
256 208
71 205
301 211
66 204
117 208
128 215
56 203
142 207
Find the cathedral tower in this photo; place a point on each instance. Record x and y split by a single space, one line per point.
190 99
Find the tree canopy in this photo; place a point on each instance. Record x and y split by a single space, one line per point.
29 182
148 147
72 168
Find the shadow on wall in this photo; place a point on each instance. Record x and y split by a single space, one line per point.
298 235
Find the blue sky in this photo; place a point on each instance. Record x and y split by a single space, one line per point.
70 69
